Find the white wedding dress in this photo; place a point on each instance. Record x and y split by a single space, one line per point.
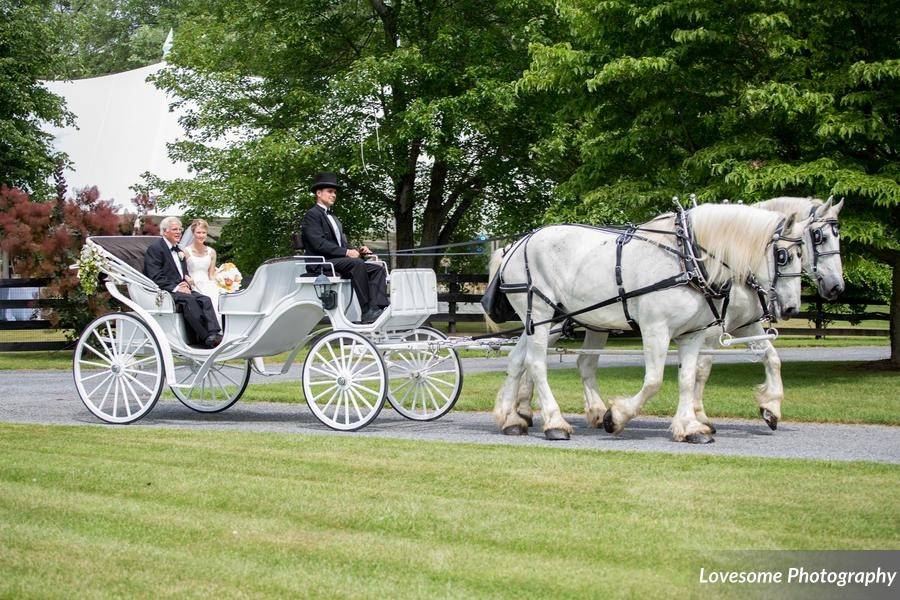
198 269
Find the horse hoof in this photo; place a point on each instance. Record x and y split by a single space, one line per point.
699 438
770 419
608 424
556 434
515 430
712 428
527 419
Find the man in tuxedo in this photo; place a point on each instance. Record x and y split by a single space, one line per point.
323 235
165 264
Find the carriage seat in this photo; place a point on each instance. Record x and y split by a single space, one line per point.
128 252
273 282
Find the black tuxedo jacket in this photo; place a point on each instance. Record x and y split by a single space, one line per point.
159 265
318 236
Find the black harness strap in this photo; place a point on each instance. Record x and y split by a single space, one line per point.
623 297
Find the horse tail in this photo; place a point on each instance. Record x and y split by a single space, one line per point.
493 267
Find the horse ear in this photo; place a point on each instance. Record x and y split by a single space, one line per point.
800 226
788 223
823 210
837 207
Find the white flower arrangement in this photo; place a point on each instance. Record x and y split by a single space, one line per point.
228 278
90 265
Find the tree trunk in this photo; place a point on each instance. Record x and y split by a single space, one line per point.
404 223
895 316
434 214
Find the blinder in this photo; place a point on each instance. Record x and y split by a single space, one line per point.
818 235
782 258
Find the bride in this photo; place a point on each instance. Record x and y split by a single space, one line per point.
201 262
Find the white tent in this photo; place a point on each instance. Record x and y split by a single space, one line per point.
123 124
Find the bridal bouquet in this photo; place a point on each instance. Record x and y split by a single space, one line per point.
228 278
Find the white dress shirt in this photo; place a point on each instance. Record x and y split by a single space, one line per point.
332 222
177 262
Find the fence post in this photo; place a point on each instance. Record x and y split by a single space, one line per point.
820 319
451 305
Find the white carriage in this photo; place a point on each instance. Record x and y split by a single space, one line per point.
125 360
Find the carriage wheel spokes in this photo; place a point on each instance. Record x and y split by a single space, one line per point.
112 353
426 382
344 380
221 387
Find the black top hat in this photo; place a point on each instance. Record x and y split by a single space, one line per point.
325 180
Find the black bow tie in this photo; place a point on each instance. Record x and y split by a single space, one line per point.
328 211
174 249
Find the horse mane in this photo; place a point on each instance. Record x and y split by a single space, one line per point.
789 205
733 235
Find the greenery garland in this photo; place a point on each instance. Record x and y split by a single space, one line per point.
89 267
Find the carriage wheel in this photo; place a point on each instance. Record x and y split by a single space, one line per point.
424 384
344 380
223 385
118 368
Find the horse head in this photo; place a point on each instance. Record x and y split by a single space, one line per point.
785 268
822 250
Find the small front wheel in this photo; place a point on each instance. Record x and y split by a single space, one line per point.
118 368
344 380
223 385
425 382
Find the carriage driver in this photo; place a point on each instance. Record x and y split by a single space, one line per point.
323 235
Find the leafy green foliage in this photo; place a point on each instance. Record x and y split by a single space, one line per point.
414 104
27 55
100 37
725 99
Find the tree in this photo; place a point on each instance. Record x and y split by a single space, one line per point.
43 238
730 99
27 55
100 37
414 103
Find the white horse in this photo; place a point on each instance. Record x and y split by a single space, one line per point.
821 261
573 267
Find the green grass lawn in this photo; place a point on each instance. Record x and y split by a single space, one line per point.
96 511
824 391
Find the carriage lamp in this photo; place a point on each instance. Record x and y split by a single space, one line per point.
324 292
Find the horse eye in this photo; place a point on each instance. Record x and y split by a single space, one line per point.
835 229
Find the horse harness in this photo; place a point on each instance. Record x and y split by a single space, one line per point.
692 273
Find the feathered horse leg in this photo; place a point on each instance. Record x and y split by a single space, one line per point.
505 405
704 367
594 408
656 346
685 426
555 427
770 394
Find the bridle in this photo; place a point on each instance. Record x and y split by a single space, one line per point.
818 236
781 258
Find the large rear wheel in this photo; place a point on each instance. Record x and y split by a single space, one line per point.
118 368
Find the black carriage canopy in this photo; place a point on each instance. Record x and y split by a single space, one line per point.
130 249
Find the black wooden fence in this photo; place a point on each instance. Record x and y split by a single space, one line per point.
456 294
6 345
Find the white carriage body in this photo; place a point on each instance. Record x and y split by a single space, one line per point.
278 312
